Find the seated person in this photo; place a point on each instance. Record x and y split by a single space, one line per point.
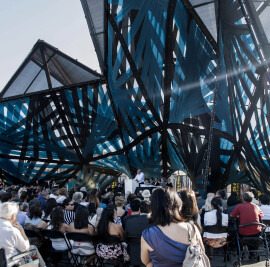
248 213
134 228
13 238
105 230
215 226
265 208
81 225
57 224
135 210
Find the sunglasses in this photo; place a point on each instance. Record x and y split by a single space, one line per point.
71 204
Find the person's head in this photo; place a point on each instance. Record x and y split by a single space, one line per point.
135 205
81 217
68 204
120 201
232 200
207 205
107 217
57 218
221 194
146 194
92 208
138 171
94 199
9 211
77 197
162 180
131 197
94 192
198 194
25 206
254 192
14 194
146 181
156 179
151 180
35 211
165 206
62 191
55 191
264 199
189 209
6 197
24 196
217 205
44 194
50 204
84 195
248 197
145 206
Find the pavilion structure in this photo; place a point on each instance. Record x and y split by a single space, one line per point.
184 85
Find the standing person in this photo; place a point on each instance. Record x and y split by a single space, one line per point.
13 238
139 177
161 244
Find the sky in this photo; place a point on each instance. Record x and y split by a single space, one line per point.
60 23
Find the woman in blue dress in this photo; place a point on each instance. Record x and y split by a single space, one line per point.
166 242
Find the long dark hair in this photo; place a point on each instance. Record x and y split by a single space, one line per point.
50 204
81 217
57 218
165 206
217 204
103 225
189 211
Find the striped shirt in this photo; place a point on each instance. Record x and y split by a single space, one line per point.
69 216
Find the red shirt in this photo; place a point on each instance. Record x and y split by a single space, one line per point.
248 213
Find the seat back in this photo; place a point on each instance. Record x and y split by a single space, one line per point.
79 237
52 234
32 233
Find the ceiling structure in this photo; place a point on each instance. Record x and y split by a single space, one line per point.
184 86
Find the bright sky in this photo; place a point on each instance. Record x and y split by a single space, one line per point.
60 23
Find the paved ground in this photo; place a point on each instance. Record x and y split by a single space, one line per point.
218 261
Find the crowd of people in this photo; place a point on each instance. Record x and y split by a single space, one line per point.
152 228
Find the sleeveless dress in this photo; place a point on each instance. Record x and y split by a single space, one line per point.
167 252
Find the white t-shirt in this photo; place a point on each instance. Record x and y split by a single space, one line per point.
210 218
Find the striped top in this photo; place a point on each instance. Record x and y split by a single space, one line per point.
69 216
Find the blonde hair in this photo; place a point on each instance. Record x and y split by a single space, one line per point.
208 205
119 201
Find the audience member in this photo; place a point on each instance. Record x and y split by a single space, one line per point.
222 195
50 204
44 198
77 199
94 199
23 208
255 196
161 244
215 226
135 210
106 229
248 213
13 238
232 202
146 194
69 214
200 201
57 224
265 206
62 192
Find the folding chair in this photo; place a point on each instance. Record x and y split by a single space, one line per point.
80 237
58 256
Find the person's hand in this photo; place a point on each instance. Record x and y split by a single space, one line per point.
18 226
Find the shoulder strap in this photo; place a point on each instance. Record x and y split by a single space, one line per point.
189 233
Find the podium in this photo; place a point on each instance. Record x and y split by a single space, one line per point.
130 185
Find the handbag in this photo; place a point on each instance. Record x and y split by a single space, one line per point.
195 256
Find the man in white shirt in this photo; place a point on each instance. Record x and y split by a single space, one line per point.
13 238
139 177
